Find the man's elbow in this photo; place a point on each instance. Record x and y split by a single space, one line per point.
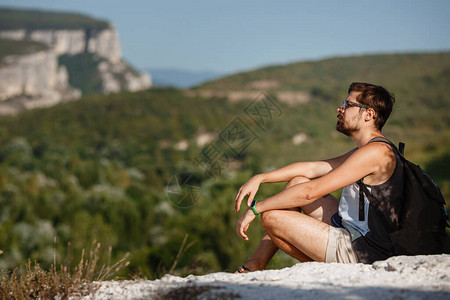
309 195
305 193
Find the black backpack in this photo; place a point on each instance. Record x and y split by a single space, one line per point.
423 218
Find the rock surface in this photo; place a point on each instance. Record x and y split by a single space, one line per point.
33 80
38 80
419 277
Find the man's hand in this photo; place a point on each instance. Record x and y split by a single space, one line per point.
249 188
244 222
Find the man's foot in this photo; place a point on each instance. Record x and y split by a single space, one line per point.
242 269
250 266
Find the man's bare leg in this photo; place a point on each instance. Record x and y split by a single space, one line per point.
263 254
322 210
297 234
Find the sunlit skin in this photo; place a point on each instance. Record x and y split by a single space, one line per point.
305 236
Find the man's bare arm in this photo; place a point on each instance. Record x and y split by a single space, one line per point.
309 170
361 163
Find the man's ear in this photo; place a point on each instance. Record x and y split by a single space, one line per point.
370 114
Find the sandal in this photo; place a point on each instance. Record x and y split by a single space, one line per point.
243 269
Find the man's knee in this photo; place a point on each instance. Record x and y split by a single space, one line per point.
296 180
270 219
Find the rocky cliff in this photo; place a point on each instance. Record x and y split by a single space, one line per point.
30 79
33 80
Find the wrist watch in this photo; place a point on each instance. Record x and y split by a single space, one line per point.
252 206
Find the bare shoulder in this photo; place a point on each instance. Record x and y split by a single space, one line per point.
379 149
382 157
375 150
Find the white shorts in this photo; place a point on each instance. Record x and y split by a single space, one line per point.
339 248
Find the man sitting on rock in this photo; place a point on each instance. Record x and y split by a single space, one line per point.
329 230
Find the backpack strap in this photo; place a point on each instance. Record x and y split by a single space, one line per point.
401 148
363 190
361 207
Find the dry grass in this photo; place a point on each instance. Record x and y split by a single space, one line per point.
183 248
32 282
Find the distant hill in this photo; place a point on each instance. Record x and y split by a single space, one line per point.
179 78
329 74
420 82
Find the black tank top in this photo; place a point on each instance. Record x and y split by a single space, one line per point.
383 217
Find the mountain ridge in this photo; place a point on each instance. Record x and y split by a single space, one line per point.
301 73
180 78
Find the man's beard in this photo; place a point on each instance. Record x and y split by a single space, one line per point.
341 127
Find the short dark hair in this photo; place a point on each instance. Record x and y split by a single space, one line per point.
377 98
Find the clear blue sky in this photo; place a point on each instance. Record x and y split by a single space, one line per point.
234 35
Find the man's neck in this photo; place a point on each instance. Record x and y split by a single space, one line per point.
362 138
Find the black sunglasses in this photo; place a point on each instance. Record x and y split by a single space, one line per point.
348 103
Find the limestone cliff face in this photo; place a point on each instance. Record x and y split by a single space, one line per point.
106 44
33 80
37 79
62 41
103 42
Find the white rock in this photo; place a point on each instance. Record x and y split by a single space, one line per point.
36 80
18 34
137 82
204 138
419 277
182 145
299 138
106 44
62 41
